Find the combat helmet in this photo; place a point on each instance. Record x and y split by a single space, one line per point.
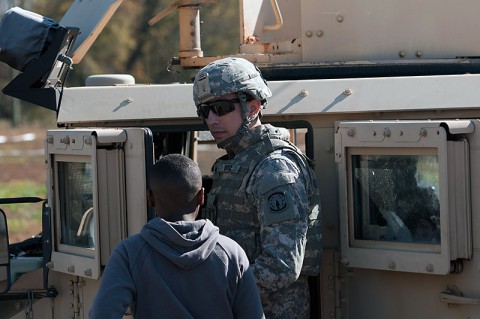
229 75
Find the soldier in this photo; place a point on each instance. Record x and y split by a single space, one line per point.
264 193
177 267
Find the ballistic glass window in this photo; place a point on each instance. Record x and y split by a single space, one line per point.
396 198
76 204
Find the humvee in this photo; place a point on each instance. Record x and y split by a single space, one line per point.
383 95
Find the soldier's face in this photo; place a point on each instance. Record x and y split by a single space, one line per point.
227 125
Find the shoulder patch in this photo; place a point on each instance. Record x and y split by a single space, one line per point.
277 202
279 206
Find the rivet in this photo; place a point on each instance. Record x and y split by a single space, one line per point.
391 264
387 132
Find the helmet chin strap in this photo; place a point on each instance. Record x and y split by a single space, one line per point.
230 142
245 111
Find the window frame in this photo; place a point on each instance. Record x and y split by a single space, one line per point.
405 137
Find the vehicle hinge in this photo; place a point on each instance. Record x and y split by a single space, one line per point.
340 288
76 289
333 298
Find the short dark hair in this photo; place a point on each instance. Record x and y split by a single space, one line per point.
176 173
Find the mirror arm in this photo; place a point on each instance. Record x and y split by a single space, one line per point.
35 294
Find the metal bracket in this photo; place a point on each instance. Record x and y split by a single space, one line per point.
454 297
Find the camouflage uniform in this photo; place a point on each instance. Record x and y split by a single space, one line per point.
262 197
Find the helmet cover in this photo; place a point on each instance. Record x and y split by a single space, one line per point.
229 75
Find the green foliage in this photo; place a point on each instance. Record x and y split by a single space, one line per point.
22 189
22 217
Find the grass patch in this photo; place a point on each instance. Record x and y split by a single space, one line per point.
22 189
24 220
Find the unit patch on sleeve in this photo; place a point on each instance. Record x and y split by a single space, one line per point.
278 207
277 202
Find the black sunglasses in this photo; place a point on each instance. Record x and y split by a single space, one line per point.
218 107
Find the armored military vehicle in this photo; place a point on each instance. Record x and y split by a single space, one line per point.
383 95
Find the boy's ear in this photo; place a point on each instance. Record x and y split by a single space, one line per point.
150 198
201 196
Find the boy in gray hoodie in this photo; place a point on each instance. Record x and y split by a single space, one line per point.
177 267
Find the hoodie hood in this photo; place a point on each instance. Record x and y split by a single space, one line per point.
186 244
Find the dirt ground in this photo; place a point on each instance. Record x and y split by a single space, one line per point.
22 160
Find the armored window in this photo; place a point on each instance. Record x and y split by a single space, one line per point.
404 195
86 176
75 190
396 197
